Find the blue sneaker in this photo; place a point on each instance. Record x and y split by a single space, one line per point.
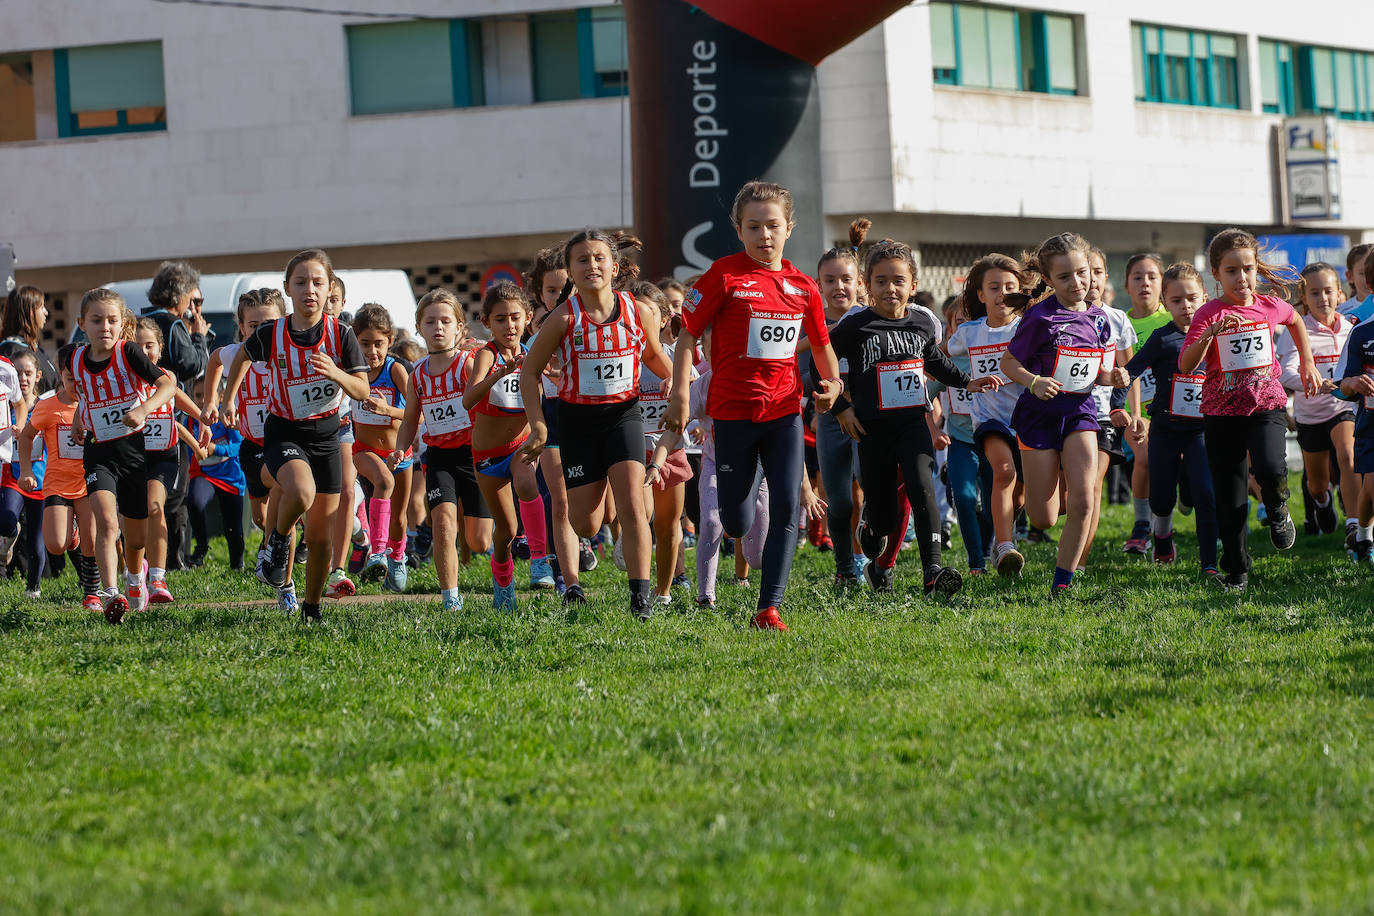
682 582
396 575
453 603
860 563
503 597
374 568
286 600
541 573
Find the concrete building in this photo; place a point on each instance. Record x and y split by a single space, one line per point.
460 137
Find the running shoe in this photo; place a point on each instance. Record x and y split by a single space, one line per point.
93 604
357 558
586 557
706 603
870 542
641 607
879 579
860 561
845 580
374 568
397 576
574 595
1326 515
618 555
768 619
453 603
1008 562
33 593
503 597
273 570
682 582
1233 582
339 586
1139 541
286 600
541 573
159 593
1352 534
943 580
520 548
1282 531
138 592
1164 550
115 607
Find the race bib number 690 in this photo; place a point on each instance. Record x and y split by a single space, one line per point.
773 336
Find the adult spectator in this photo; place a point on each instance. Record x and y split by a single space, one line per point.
176 307
21 329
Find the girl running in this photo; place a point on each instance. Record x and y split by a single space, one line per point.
889 347
435 399
376 421
67 517
1178 452
499 429
602 336
118 388
1058 354
758 305
992 299
1326 423
1144 279
162 436
17 504
1243 398
314 361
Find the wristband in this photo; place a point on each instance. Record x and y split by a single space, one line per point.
651 466
1117 410
1031 386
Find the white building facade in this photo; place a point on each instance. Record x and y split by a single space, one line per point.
457 142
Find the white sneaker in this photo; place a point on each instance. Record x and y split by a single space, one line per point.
33 593
663 600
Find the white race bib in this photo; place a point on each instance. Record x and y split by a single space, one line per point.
602 376
1251 346
1147 386
253 417
66 448
505 393
311 397
960 401
1187 396
1076 368
366 417
773 336
986 361
1328 365
107 418
901 384
157 434
443 418
652 407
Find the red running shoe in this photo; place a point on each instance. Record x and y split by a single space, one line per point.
115 607
93 604
768 619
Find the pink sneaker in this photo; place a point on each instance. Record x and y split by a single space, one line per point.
158 593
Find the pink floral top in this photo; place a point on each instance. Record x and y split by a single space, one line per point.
1242 374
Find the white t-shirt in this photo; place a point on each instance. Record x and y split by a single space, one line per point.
1123 338
984 347
14 401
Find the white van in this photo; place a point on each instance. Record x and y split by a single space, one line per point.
388 288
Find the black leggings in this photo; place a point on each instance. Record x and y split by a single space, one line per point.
1175 458
744 449
231 517
1236 448
889 448
14 505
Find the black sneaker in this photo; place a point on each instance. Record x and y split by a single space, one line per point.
1362 550
197 558
1282 531
424 541
574 595
845 580
880 580
1233 582
705 604
310 613
274 571
1352 534
946 536
586 557
1035 535
520 548
302 551
641 607
943 580
870 542
1326 515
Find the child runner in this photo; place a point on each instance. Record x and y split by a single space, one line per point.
493 397
602 337
376 421
1144 278
994 307
118 388
66 509
889 347
1325 423
162 460
1058 354
217 474
17 504
314 361
1357 384
349 522
758 305
1243 398
435 396
1178 451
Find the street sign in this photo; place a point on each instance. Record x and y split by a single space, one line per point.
1297 251
1312 167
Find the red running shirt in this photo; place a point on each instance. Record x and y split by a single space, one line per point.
447 422
756 317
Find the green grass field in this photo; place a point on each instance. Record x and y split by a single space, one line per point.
1152 745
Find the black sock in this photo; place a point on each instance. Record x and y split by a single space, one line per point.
310 611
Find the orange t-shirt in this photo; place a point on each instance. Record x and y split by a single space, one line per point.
66 472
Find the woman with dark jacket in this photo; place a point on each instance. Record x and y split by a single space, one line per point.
21 329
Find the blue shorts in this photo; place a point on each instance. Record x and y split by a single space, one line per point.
404 464
1364 454
1045 425
346 432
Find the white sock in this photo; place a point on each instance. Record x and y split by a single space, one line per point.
133 578
447 593
155 573
1367 532
1004 545
1162 525
1142 508
1352 521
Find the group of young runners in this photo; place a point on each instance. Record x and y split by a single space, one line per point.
599 400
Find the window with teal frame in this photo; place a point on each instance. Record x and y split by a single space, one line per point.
1276 77
993 47
1331 81
1186 67
579 54
415 66
109 89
